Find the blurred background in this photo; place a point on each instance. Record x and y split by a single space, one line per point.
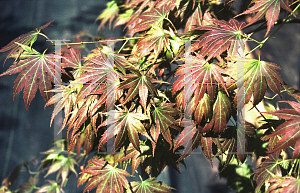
23 135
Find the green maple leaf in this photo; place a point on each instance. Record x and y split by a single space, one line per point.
62 164
29 38
36 71
150 186
270 8
104 177
108 14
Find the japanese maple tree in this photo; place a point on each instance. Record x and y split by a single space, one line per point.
173 85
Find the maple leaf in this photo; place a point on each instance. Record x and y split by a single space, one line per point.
155 39
163 156
219 37
29 186
163 118
36 71
136 157
190 135
259 74
201 77
72 59
138 83
62 164
51 187
270 8
154 16
289 129
104 177
149 186
221 113
124 122
194 20
108 14
284 184
64 98
97 71
15 46
270 165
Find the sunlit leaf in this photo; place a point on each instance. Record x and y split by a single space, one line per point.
269 8
24 39
104 177
36 71
150 186
289 130
219 38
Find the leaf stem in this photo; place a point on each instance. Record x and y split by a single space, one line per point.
171 24
46 37
251 39
99 41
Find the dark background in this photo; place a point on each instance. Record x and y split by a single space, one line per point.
23 135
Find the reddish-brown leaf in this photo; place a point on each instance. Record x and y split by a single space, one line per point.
25 39
269 8
289 129
219 37
36 71
104 177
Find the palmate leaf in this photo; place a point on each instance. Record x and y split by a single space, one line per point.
36 71
136 157
138 83
124 123
25 39
163 118
150 186
155 39
154 16
259 74
203 78
72 59
270 8
108 14
62 164
221 113
195 20
51 187
29 186
270 165
104 177
64 98
285 184
289 129
97 69
191 135
219 37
